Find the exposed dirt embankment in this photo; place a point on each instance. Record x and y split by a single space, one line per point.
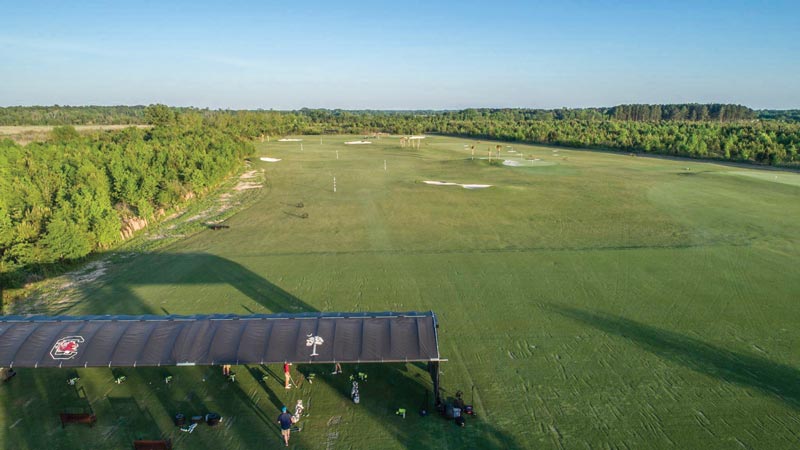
132 225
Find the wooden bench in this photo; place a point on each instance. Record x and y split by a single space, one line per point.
77 418
153 445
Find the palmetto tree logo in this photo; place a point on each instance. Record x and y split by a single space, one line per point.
314 341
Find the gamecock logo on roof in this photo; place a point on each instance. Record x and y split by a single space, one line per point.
66 347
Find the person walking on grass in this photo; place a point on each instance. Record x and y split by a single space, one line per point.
285 422
226 370
337 369
286 375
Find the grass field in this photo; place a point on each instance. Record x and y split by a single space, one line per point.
25 134
600 301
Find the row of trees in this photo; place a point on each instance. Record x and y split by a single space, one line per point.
788 115
701 131
64 198
688 112
773 143
762 142
114 115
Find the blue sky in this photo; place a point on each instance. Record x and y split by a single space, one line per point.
400 54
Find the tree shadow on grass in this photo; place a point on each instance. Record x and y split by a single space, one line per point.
114 294
733 367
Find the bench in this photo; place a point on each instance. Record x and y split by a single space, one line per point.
86 418
152 445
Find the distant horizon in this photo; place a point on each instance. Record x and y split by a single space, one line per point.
202 108
414 55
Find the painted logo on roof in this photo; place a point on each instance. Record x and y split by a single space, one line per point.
315 341
66 347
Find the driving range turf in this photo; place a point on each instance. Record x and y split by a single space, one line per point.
601 301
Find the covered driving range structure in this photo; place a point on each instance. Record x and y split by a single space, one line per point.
173 340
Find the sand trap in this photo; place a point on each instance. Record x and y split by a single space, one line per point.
465 186
357 142
511 163
441 183
267 159
289 140
417 137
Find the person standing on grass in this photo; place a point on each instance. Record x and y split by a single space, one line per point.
337 369
226 370
285 422
286 375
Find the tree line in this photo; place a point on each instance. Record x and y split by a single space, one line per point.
128 115
66 197
749 141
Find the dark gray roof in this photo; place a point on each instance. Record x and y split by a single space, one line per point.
130 341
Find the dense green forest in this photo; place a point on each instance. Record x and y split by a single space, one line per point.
64 198
774 143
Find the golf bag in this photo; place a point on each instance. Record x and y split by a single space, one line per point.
298 411
213 419
354 393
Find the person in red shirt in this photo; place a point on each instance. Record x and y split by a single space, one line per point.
287 375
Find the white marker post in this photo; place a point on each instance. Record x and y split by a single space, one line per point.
301 147
337 154
334 184
384 165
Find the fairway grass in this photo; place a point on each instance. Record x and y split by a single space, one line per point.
593 300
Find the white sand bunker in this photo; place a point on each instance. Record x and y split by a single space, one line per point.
268 159
417 137
441 183
289 140
465 186
357 142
